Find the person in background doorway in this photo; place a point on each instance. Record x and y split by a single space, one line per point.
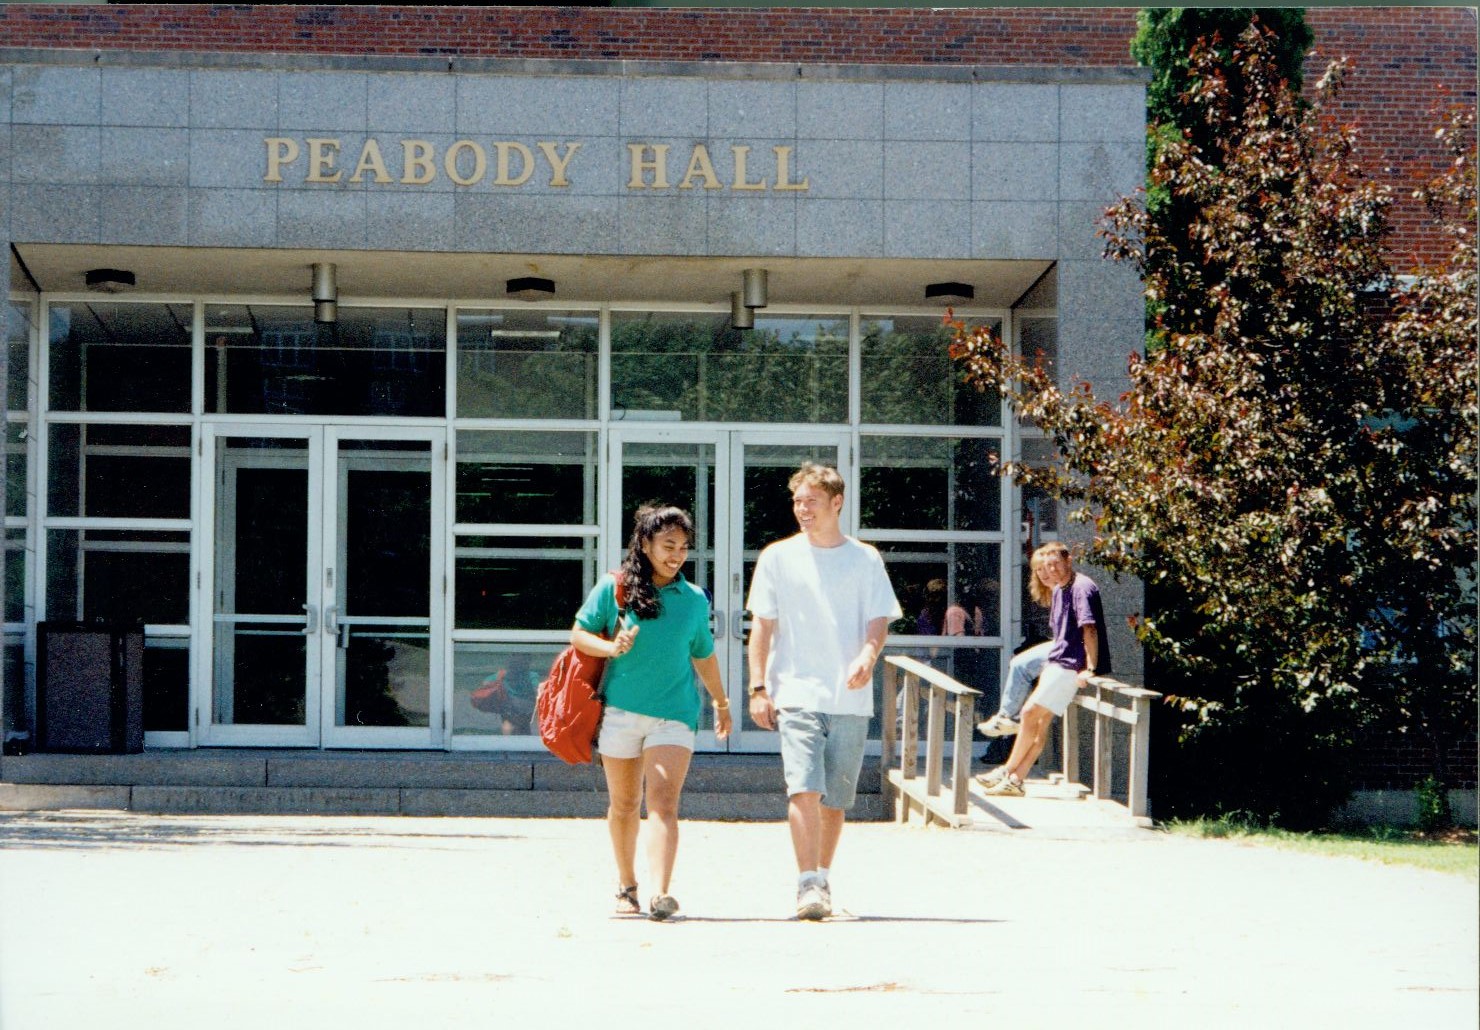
1079 650
822 604
652 709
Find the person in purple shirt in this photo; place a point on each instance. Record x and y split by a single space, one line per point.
1080 650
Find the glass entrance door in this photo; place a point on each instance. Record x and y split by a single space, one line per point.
321 586
734 484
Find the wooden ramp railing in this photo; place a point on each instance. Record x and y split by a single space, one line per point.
940 690
1109 700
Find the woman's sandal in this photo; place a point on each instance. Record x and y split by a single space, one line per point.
627 903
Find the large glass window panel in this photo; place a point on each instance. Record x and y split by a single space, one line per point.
908 377
527 363
527 477
18 315
695 367
522 582
119 471
15 712
262 359
494 686
15 575
945 589
120 357
930 482
16 434
128 575
166 684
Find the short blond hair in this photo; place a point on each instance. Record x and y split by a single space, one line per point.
824 477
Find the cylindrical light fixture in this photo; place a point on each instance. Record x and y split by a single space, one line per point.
325 293
109 280
950 293
741 316
753 282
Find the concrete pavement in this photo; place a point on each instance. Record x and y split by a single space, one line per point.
126 920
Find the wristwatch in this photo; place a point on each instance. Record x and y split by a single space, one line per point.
757 688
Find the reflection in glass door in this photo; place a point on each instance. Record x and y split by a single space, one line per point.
264 639
734 484
379 623
322 596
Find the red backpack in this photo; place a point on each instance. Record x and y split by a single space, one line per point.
569 705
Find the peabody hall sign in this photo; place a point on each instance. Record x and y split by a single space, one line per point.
466 162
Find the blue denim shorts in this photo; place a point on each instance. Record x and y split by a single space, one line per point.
822 754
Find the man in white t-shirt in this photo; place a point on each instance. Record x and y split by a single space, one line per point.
822 604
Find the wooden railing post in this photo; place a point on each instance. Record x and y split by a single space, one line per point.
961 751
911 793
1137 800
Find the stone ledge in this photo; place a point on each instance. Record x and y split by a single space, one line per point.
265 801
379 771
29 797
190 768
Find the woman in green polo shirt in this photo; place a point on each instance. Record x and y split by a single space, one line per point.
652 709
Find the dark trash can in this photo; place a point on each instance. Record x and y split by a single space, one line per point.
90 687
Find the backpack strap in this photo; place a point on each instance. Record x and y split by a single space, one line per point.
621 599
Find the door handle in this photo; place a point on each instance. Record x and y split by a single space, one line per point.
312 623
716 621
737 624
331 619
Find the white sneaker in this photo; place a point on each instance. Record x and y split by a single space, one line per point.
814 901
998 725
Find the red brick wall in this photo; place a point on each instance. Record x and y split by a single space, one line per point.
1404 56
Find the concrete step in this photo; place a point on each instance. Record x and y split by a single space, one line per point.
269 782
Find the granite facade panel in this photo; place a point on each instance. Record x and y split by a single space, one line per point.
924 171
837 169
660 224
323 102
927 110
1099 291
1101 172
145 96
752 225
150 216
753 109
839 228
321 219
230 158
556 225
421 222
55 214
664 107
43 154
927 229
1015 171
411 104
549 107
1103 113
232 218
55 95
840 110
1079 225
1014 230
145 157
233 100
1015 112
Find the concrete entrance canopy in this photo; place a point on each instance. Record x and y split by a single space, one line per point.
891 282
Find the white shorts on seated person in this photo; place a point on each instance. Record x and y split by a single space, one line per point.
1056 688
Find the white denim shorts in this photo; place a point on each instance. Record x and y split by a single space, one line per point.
626 734
1056 688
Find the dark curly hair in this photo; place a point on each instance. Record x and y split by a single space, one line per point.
637 572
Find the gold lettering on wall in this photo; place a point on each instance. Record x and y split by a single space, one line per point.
418 162
526 160
466 163
371 159
559 164
658 166
280 151
699 164
322 153
480 162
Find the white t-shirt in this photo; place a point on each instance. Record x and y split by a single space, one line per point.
822 599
